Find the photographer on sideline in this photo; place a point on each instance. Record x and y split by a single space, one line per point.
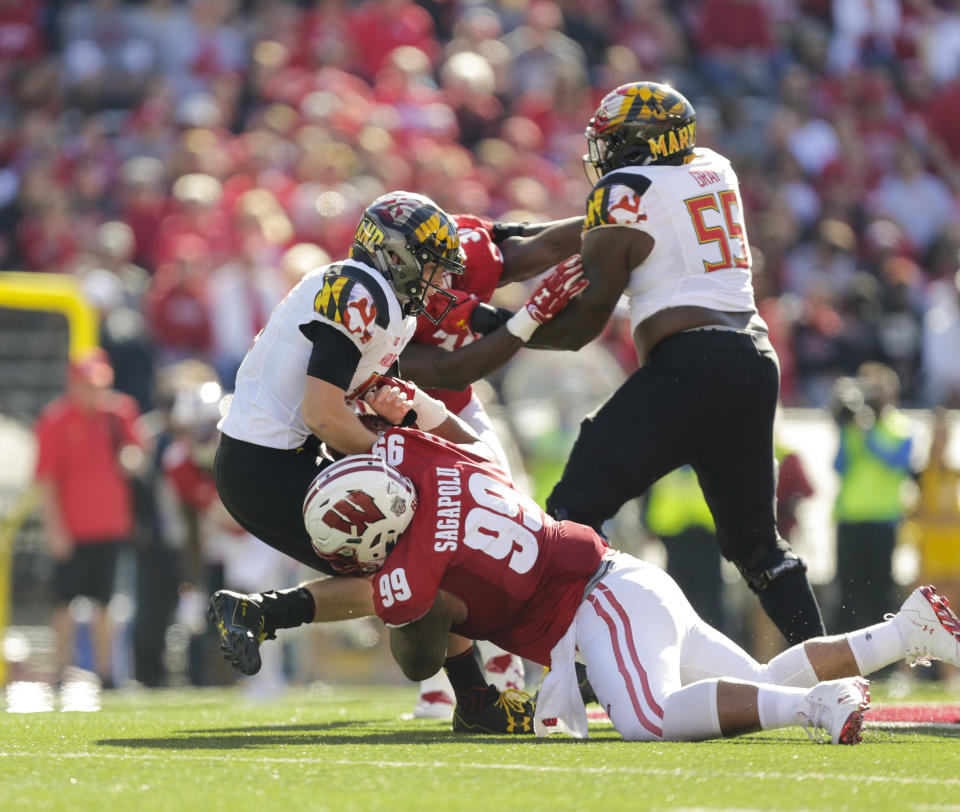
873 460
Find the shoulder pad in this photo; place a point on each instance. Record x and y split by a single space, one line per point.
615 200
352 298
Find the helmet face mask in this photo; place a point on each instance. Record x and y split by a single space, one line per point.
639 124
400 234
355 510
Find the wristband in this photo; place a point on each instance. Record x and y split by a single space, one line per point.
522 325
430 412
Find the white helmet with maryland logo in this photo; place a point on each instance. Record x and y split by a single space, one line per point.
355 510
639 124
400 233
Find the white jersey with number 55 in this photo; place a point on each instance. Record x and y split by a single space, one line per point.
694 213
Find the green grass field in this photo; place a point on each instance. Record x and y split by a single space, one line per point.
348 749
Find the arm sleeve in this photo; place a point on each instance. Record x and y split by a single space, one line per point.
334 357
502 231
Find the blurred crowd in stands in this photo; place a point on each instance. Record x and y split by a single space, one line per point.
189 160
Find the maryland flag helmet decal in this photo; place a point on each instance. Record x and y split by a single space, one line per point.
639 124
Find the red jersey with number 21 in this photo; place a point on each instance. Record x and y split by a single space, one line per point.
520 573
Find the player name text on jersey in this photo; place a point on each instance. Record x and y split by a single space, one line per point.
448 510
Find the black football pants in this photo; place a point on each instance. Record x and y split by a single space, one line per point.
264 488
705 398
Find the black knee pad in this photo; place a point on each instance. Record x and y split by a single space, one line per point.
764 566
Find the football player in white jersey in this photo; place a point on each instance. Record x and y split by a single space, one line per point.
665 225
318 359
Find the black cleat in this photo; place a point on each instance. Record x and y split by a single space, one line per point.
511 713
241 625
586 689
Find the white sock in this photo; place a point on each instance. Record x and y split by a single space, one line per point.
792 667
777 705
690 714
876 646
440 683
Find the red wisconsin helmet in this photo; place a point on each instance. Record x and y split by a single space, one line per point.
355 510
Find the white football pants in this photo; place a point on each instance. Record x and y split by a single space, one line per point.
642 642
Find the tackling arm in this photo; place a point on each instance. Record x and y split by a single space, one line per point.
455 369
541 246
437 368
328 416
609 256
421 647
393 398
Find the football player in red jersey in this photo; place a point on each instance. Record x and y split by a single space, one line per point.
265 482
454 546
447 357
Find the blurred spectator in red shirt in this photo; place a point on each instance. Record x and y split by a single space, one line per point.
324 35
793 486
377 27
197 212
653 35
47 237
88 448
943 117
142 206
21 38
737 44
177 305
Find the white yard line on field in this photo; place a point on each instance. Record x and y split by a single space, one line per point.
529 768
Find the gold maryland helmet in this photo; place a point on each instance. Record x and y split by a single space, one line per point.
399 233
639 124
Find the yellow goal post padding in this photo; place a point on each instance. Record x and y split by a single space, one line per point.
49 293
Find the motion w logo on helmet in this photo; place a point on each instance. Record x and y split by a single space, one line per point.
354 514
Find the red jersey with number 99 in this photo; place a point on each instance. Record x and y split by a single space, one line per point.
481 275
521 574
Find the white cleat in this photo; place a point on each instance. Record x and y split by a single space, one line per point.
835 708
434 705
930 629
502 669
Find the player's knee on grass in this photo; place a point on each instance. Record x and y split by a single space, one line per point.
637 719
